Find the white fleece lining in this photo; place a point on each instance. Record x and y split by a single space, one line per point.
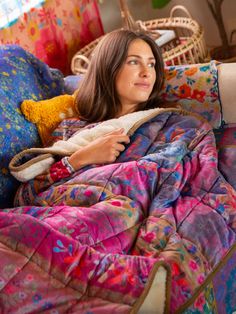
34 170
84 137
154 302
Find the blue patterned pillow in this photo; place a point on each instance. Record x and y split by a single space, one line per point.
22 76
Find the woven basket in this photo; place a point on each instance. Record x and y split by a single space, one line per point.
188 48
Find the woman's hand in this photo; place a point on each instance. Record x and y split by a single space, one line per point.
103 150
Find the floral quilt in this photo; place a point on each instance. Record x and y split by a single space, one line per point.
95 242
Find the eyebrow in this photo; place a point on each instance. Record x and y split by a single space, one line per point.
137 56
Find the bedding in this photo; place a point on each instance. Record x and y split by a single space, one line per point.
226 146
160 222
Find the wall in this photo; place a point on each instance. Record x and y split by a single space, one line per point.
142 9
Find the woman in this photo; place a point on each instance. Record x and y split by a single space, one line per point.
107 237
125 75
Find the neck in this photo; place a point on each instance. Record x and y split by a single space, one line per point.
127 109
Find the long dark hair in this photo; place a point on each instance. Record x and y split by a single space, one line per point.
97 99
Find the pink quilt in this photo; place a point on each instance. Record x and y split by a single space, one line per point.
93 243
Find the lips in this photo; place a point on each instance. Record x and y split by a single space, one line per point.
143 85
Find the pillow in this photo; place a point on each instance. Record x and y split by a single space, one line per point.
195 88
22 77
72 83
47 114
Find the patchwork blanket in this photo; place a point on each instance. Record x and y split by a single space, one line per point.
140 235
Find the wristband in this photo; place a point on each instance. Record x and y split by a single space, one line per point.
67 164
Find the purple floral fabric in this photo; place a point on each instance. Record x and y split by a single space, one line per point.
92 242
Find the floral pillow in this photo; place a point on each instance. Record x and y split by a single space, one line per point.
195 87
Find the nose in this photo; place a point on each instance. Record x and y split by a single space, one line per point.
145 71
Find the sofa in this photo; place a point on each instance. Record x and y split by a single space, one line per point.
207 90
200 89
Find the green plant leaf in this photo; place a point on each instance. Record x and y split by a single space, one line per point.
158 4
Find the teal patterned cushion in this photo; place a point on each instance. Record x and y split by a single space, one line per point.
22 76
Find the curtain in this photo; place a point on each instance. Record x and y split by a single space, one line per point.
55 30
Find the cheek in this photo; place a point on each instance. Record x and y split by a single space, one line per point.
121 87
124 80
154 77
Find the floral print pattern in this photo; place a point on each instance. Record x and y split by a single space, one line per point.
96 238
56 30
205 303
195 88
22 77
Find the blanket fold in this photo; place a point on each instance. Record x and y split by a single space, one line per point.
26 170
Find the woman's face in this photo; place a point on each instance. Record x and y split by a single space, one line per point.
136 77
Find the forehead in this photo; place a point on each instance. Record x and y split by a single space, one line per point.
140 47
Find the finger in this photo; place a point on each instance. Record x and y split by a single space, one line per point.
117 153
119 147
123 139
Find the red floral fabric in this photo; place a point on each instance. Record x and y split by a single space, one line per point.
56 30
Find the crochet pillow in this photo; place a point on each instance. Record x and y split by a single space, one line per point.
195 88
22 76
47 114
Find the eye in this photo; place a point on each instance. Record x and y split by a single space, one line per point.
133 62
151 65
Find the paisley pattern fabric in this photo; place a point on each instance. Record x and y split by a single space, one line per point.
195 87
55 30
91 242
22 76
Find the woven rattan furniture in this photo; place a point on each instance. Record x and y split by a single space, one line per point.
188 48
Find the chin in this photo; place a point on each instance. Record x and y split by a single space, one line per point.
143 99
